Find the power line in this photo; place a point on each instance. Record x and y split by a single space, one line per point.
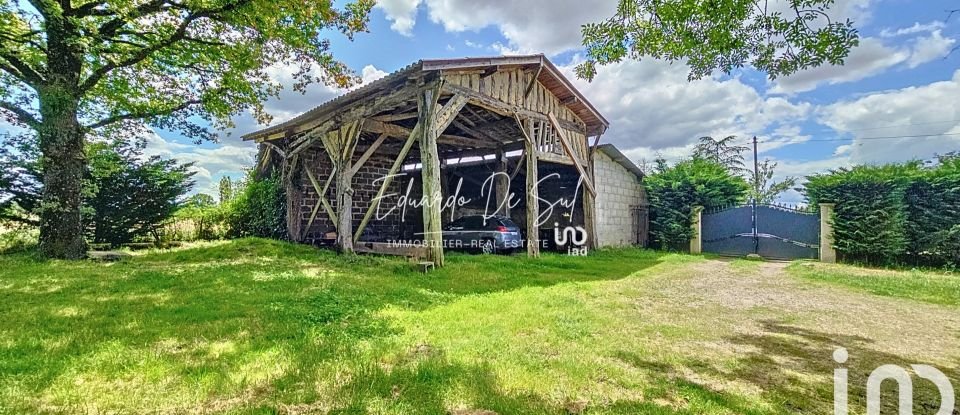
890 137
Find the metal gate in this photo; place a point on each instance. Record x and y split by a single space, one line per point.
771 231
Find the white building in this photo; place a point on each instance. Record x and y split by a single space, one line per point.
621 200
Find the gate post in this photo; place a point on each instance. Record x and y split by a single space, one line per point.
696 240
827 253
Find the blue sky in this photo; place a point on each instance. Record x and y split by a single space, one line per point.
902 80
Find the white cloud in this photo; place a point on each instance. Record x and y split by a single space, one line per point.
403 14
931 109
928 48
209 164
872 57
916 28
653 108
548 26
868 59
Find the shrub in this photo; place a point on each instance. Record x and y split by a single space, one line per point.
674 191
259 209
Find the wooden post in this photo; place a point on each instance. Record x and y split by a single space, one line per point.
345 208
590 215
340 145
696 240
828 253
430 175
533 200
503 183
291 187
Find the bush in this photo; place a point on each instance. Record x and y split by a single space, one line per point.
894 214
259 209
674 191
17 237
199 218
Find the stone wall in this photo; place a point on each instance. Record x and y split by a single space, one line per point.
619 192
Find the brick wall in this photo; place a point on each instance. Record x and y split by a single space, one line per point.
366 183
619 191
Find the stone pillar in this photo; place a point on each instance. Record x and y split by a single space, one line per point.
827 252
696 240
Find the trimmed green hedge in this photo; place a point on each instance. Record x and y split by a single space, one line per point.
894 214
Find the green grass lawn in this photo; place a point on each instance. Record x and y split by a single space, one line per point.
257 326
935 287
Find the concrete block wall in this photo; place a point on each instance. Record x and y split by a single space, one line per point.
619 191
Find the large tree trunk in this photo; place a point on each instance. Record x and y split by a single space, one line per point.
63 162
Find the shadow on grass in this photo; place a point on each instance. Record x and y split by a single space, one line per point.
793 368
249 324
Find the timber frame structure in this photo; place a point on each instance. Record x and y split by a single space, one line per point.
448 109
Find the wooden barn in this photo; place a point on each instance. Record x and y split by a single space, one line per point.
396 159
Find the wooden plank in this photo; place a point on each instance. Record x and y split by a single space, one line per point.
383 248
587 179
430 175
555 158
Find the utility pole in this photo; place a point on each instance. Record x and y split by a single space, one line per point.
756 192
756 172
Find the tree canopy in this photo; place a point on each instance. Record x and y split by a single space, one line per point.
72 68
182 65
779 37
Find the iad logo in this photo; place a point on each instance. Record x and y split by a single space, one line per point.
904 386
573 237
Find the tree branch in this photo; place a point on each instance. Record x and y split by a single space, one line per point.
22 115
90 9
178 35
20 69
141 114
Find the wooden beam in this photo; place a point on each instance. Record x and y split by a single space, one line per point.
397 163
396 117
396 131
430 174
288 169
367 154
479 134
321 200
275 148
347 136
503 183
533 199
502 108
587 179
448 112
533 81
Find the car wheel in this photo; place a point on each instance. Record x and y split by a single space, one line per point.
488 247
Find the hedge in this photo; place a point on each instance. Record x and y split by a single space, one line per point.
904 214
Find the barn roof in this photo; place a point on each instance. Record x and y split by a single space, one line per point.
549 75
